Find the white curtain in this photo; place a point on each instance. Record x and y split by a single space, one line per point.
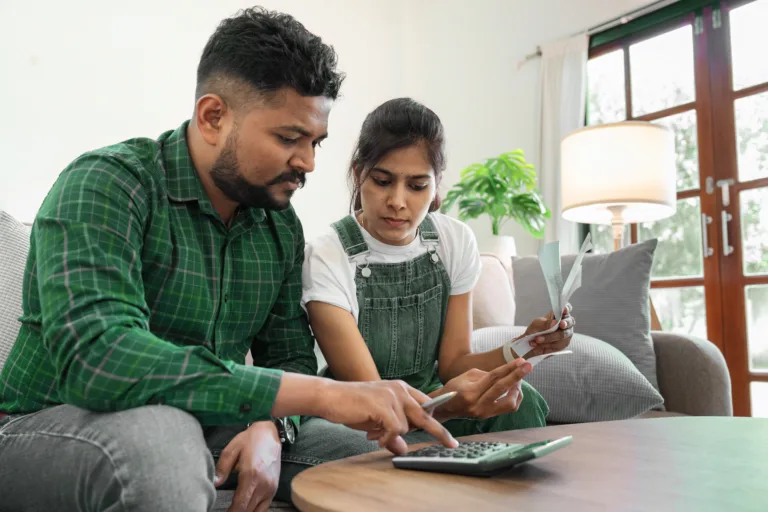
563 102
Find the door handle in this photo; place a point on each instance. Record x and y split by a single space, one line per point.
724 188
725 218
706 220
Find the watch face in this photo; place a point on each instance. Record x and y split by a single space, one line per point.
290 433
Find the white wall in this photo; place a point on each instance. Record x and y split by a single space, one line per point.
82 74
466 70
77 75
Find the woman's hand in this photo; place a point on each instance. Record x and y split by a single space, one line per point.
485 394
554 341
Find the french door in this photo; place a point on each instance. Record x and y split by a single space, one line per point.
705 76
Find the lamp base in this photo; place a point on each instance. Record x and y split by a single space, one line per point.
617 222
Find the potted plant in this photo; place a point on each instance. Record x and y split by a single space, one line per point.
503 188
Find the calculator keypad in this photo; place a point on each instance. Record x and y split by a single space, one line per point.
469 450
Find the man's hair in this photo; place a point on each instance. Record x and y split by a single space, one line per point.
257 52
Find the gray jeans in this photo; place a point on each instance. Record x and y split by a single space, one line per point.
321 441
148 458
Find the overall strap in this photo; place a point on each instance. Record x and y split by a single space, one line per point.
351 237
428 231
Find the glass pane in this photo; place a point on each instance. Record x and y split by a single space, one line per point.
749 39
662 71
605 89
602 238
759 392
681 310
754 230
757 326
686 146
752 136
679 251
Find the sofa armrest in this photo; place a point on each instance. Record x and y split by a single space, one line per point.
692 374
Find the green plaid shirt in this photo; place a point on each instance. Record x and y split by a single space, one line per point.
136 293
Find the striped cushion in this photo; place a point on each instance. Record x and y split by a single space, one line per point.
14 246
612 304
595 383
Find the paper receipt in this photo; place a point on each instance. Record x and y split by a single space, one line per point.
560 291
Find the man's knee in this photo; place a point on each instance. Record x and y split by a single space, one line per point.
148 458
161 457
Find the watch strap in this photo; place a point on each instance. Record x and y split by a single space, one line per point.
509 354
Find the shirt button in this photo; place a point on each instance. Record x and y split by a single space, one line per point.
226 297
245 408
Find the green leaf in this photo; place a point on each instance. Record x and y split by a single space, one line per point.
472 208
503 188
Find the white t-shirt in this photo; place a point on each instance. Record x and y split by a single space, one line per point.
329 274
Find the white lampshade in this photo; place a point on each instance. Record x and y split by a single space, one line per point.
629 165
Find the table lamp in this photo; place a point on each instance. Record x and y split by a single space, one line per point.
617 174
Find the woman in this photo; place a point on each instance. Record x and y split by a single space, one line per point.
389 296
389 291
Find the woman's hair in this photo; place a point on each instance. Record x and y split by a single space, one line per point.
396 124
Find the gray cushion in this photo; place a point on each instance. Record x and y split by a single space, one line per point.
612 304
14 246
595 383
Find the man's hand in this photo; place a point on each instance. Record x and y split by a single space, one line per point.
480 392
255 455
385 409
554 341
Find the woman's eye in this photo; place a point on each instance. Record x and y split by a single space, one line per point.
317 144
418 186
381 183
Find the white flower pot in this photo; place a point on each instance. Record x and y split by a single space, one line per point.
504 247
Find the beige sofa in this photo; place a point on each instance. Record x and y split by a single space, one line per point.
692 374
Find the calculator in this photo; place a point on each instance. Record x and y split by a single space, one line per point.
477 458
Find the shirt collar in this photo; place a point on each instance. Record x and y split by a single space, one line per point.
183 182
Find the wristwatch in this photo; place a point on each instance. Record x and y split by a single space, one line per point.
285 430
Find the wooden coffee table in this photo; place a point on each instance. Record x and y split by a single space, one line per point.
680 464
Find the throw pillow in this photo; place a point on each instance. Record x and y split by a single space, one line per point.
14 246
595 383
612 304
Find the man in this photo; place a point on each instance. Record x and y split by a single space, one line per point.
155 265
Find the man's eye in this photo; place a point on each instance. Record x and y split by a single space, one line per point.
286 140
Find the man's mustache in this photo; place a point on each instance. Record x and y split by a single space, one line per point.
292 176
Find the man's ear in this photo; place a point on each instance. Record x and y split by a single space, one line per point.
211 116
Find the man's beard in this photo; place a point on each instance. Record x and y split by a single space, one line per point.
226 175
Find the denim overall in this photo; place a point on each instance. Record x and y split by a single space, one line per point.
403 307
402 315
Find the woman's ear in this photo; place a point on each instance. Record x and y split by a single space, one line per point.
355 175
435 204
